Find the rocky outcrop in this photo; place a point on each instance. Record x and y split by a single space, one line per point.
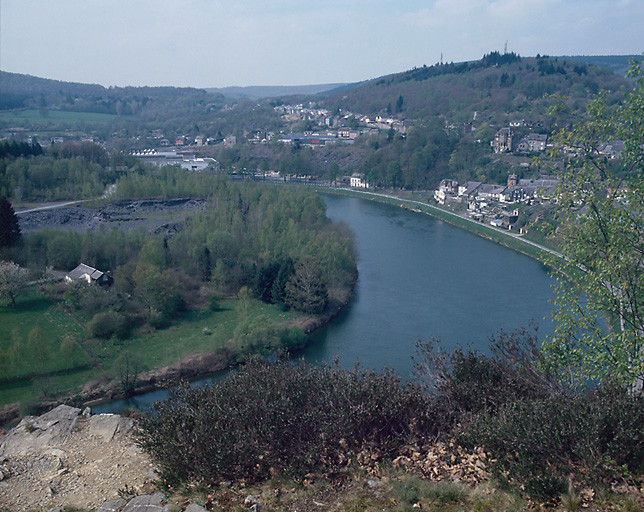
35 433
69 458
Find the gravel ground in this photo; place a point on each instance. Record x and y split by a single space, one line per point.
150 215
84 471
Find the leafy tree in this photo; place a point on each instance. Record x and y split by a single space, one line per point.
9 226
600 299
306 289
12 280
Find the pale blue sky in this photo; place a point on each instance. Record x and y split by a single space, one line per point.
212 43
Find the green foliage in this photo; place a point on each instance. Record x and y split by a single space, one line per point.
48 178
289 417
107 324
306 290
600 301
540 442
10 234
259 336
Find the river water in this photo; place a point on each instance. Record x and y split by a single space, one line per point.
419 278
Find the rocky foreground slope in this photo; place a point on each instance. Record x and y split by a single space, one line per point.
70 458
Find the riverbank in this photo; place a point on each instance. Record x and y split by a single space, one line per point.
512 241
195 366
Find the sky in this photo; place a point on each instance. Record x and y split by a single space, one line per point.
213 43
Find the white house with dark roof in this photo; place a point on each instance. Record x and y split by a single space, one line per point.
89 274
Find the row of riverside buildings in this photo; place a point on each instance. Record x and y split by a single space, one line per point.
516 190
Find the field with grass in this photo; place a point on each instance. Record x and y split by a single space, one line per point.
197 332
45 351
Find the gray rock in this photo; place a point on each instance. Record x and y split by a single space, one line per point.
193 507
250 500
35 433
106 426
111 506
149 503
87 412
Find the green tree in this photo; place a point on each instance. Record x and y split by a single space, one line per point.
306 289
13 280
599 315
9 226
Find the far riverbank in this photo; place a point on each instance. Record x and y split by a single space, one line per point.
512 241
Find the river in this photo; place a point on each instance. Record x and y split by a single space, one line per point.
419 278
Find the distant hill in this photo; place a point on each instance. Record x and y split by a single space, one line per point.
257 92
26 91
498 88
618 64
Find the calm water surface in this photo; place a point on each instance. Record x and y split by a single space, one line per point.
419 278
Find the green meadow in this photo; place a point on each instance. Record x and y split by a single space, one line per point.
45 351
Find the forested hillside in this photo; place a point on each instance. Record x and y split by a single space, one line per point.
499 87
447 115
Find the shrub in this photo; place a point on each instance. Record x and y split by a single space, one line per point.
540 442
107 324
466 382
259 337
289 417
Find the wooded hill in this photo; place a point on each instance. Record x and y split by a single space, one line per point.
26 91
499 87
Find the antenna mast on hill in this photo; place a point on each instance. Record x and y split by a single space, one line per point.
505 48
441 58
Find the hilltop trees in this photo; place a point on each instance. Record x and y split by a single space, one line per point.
600 301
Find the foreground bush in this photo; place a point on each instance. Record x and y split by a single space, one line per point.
287 417
465 382
596 436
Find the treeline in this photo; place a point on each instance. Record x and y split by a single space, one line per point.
499 87
491 59
71 170
24 91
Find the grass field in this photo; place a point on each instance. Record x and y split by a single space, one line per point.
42 367
32 335
56 116
187 337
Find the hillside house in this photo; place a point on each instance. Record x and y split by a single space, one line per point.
89 274
503 140
359 181
446 189
533 142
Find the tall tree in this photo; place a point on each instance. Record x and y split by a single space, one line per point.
599 316
306 290
9 226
